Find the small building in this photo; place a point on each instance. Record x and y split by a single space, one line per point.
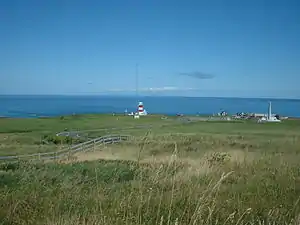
257 115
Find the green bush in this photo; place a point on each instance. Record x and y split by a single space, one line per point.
53 139
8 179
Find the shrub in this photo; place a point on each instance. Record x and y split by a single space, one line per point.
53 139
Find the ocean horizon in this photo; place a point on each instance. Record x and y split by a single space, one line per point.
27 106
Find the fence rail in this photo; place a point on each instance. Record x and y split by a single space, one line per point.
85 146
78 133
82 147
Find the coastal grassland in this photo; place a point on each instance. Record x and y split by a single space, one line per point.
191 173
24 136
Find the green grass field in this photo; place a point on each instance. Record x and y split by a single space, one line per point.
172 173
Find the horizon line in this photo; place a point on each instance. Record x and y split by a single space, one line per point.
156 96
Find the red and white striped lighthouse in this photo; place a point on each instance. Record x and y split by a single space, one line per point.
141 110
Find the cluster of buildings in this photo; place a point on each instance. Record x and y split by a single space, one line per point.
269 117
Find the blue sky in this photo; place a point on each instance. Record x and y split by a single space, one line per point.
193 48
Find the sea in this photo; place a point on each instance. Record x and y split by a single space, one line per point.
27 106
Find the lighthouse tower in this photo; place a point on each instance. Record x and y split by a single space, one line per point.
141 110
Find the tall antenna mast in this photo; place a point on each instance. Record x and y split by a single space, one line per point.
136 80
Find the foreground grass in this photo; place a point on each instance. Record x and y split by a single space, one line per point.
199 173
122 192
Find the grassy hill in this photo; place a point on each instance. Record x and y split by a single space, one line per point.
173 172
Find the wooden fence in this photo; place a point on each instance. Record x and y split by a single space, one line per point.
82 147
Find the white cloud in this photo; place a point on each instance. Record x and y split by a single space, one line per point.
154 89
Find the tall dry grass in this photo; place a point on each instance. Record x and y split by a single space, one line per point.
217 187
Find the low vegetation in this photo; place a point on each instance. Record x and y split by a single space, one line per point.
196 173
59 140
